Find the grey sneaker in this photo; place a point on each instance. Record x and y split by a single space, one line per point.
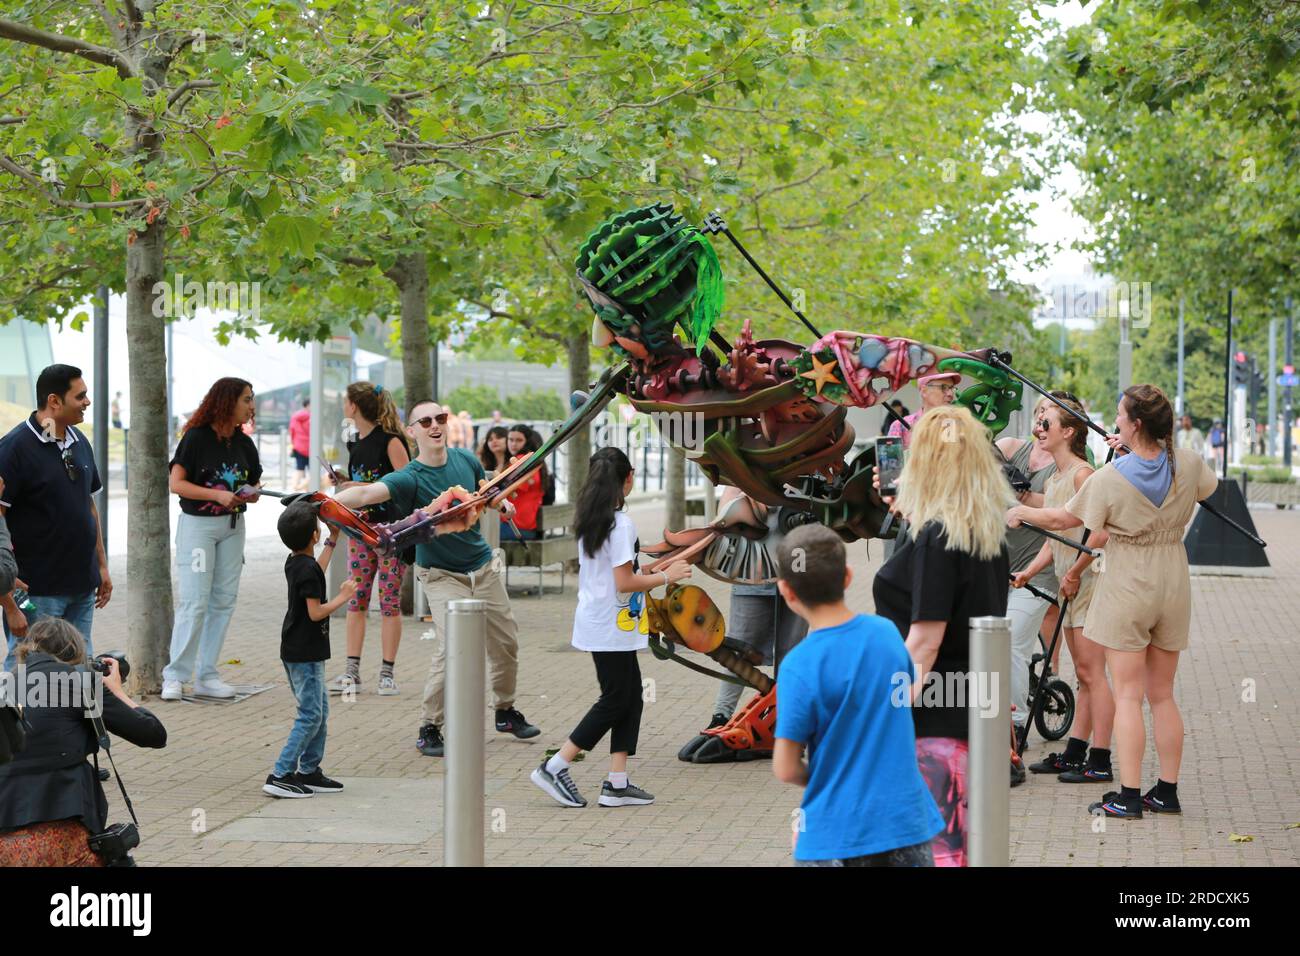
342 683
559 786
387 687
629 796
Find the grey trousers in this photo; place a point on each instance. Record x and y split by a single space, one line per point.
763 623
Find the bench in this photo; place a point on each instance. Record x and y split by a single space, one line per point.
555 545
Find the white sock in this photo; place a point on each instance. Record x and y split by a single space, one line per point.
618 780
556 764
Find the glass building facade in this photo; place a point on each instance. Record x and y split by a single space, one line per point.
24 350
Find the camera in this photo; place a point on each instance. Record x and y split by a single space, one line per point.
123 668
115 844
1019 480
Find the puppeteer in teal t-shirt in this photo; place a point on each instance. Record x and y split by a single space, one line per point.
416 485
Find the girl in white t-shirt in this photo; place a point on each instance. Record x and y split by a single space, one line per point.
611 624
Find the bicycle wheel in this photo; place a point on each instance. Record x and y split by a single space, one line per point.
1057 713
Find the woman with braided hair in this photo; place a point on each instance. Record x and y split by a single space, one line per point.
1141 611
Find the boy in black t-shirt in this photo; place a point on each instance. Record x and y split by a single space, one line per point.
304 649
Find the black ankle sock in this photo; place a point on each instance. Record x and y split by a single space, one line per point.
384 662
1099 758
1130 797
1075 748
1166 791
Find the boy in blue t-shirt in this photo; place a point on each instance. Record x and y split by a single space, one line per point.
865 802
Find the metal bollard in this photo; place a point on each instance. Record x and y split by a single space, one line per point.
988 776
462 794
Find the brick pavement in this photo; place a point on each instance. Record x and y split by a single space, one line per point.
1241 766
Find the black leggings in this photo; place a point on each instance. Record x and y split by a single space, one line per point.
618 712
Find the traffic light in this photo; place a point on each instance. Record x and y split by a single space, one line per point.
1240 369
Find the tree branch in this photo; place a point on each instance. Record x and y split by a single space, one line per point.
12 30
31 178
187 86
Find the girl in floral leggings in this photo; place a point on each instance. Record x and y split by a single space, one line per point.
378 450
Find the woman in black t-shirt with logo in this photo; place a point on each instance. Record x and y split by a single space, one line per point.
213 463
951 566
378 450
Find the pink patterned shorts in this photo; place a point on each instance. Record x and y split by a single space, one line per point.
384 575
943 765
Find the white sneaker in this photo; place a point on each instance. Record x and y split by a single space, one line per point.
213 688
172 690
387 687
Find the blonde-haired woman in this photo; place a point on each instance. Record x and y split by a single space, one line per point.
379 449
1065 438
1142 611
951 566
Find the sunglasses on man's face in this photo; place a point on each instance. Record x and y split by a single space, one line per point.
428 420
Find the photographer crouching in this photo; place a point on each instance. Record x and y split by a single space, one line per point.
53 811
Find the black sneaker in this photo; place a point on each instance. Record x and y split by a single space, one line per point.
1111 805
430 741
629 796
1017 772
559 786
1156 805
285 787
102 773
512 722
317 782
1055 763
1088 775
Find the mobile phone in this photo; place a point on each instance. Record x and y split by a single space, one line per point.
889 459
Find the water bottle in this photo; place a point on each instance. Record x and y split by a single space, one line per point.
23 600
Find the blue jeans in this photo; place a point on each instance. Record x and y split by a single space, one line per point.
305 748
77 609
209 560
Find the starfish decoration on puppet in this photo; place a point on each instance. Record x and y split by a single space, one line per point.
815 375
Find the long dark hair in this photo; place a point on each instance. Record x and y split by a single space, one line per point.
218 406
532 442
1150 406
600 497
485 455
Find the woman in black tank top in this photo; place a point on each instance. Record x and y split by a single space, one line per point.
379 450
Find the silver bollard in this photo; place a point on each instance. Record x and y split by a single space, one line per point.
462 793
284 457
988 774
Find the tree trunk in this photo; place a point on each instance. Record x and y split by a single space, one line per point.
578 448
411 275
148 562
675 489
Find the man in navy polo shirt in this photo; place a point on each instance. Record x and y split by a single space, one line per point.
49 475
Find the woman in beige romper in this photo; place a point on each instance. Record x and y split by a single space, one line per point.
1141 612
1062 435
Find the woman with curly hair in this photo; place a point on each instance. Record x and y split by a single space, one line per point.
213 461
